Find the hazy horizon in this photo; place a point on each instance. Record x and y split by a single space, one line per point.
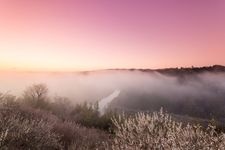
98 70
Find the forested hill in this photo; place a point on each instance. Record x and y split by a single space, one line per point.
182 70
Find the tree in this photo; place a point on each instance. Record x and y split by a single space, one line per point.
36 95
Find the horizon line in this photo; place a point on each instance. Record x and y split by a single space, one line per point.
107 69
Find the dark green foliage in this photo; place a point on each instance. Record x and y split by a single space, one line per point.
74 136
61 107
88 115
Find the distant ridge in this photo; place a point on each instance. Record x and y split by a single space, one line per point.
169 71
181 70
192 70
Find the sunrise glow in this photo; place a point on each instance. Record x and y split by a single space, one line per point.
47 35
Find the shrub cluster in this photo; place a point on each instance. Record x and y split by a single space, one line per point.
34 122
29 131
158 131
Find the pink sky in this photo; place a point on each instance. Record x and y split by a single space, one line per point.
66 35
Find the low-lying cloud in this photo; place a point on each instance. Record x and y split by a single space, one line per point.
200 95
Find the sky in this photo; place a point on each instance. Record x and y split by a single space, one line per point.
75 35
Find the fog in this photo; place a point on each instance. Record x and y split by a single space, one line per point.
105 102
200 95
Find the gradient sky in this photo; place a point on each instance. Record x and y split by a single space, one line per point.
66 35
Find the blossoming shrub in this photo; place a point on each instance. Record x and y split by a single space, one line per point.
19 132
25 127
158 131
